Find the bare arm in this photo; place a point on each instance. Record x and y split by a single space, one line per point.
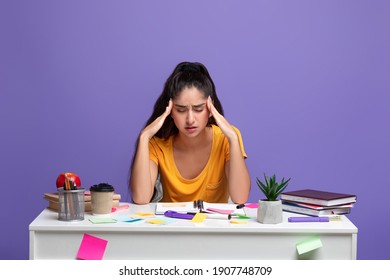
144 171
236 170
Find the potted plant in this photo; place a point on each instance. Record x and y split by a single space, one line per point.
270 209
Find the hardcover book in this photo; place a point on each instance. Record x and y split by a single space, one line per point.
53 199
87 196
318 197
326 211
53 205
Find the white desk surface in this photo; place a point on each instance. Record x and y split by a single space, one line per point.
48 220
47 227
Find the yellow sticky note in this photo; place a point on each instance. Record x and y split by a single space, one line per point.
198 218
141 214
156 222
237 222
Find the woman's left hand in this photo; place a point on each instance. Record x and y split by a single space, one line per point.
223 124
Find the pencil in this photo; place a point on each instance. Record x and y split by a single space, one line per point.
67 184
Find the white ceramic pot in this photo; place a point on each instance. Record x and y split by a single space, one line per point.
270 212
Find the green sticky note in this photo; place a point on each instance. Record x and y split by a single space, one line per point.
309 244
240 216
97 220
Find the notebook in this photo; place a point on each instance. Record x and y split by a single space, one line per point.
318 197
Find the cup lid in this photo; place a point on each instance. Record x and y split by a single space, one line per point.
102 187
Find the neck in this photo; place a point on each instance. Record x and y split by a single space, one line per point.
192 143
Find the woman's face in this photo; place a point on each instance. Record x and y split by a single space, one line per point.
190 112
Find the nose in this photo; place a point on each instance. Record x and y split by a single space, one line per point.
190 117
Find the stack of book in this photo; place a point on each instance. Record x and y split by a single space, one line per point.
317 203
53 198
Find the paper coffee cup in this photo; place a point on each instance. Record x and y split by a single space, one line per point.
101 199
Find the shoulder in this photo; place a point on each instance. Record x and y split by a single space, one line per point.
218 132
160 142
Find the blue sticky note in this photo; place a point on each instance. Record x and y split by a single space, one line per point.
126 218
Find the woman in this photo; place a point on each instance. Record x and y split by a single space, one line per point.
189 144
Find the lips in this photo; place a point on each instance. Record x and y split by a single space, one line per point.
190 129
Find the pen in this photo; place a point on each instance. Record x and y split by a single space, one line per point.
307 219
200 205
218 216
239 206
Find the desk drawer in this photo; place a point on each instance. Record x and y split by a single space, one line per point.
193 245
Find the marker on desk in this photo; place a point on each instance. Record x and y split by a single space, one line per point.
307 219
200 205
190 216
177 215
218 216
239 206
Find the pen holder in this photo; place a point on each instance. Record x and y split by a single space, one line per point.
71 204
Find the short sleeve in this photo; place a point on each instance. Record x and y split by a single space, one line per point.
241 143
153 151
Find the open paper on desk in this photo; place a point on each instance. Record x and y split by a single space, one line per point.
188 207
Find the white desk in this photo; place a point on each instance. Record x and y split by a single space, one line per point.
211 239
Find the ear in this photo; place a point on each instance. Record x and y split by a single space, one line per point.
209 101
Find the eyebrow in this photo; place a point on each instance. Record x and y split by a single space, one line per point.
198 105
193 106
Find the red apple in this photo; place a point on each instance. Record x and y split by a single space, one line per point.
73 178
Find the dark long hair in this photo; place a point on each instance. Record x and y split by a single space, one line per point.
185 75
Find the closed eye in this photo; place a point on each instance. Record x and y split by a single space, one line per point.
199 108
181 108
196 108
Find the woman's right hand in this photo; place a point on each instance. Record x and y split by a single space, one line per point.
155 126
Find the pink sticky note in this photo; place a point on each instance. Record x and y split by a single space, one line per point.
251 205
91 248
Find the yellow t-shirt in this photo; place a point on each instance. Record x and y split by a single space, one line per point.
210 185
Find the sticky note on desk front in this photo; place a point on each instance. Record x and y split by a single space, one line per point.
309 244
91 248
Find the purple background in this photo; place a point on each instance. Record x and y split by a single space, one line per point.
307 83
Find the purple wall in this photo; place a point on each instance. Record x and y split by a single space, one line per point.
307 82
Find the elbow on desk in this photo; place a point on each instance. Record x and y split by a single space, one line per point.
140 201
239 199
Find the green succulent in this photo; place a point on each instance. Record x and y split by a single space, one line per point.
271 188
